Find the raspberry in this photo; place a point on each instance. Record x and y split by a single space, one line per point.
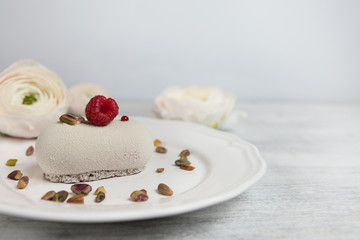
100 110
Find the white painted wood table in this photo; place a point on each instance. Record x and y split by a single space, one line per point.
311 189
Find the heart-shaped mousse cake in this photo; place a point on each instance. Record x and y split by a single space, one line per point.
85 152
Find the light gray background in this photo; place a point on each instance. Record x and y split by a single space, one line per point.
259 50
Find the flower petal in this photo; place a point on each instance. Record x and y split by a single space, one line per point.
23 78
207 105
81 95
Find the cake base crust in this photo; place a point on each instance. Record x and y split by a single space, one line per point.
90 176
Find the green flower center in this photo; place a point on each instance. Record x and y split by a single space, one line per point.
29 99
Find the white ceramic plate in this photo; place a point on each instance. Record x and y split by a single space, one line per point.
225 167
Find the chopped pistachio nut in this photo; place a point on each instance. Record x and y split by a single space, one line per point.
160 170
71 119
23 182
60 196
139 196
160 150
99 190
187 167
164 189
100 197
185 153
182 161
29 151
11 162
48 196
81 188
15 175
78 199
157 143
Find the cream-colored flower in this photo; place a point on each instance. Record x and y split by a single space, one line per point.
31 96
206 105
81 95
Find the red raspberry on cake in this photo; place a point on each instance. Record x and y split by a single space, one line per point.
100 110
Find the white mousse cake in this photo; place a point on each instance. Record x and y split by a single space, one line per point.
84 152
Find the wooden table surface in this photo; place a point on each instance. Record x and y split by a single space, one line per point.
311 189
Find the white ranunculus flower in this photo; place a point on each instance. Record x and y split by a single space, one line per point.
81 95
31 96
206 105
